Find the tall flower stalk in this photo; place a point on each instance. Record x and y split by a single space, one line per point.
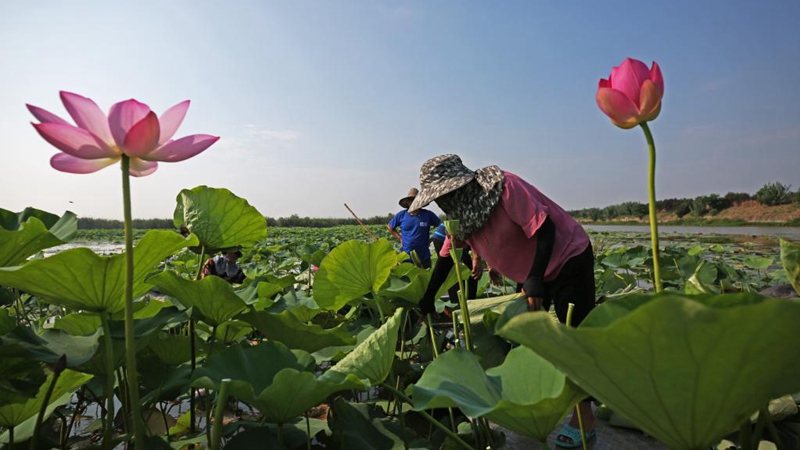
631 96
451 226
136 137
651 198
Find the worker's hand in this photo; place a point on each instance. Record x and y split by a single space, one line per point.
495 277
534 303
477 267
534 292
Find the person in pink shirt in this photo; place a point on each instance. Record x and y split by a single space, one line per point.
522 234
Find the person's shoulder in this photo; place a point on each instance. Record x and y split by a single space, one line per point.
515 182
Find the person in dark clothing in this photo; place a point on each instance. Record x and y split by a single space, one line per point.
224 266
438 239
522 234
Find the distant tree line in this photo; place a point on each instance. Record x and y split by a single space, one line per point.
91 223
771 194
325 222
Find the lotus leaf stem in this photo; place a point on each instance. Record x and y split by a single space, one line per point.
60 366
108 423
570 310
429 418
462 300
219 413
130 342
651 191
308 432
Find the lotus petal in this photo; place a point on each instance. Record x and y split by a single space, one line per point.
141 168
171 120
628 78
622 111
650 103
143 137
123 116
74 141
70 164
87 115
45 116
182 149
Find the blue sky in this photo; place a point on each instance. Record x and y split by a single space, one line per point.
319 103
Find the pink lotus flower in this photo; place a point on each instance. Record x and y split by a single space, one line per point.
131 128
632 94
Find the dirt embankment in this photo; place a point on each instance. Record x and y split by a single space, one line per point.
748 211
752 211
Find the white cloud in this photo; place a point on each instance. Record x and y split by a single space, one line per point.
284 136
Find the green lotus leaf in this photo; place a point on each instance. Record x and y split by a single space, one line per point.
20 379
80 279
265 436
757 262
685 369
352 270
175 349
25 233
162 383
49 345
790 257
212 297
357 426
232 331
6 322
219 218
413 290
143 329
285 328
525 394
372 359
17 414
479 307
278 381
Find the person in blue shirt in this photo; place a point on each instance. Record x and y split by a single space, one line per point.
415 229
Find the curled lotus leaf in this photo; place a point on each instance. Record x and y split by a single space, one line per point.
81 279
277 381
525 394
212 297
286 328
25 233
790 257
22 416
219 218
352 270
685 369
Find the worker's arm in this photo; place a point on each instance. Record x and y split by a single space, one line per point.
533 288
395 234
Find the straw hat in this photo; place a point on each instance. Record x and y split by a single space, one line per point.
405 202
446 173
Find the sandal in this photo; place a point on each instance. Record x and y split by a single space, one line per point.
574 434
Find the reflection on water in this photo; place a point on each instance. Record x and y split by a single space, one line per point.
784 232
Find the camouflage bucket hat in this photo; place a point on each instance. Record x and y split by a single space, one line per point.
446 173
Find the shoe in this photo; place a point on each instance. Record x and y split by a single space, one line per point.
574 434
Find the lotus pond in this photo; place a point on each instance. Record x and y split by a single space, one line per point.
322 347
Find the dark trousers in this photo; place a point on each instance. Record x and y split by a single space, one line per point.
574 284
472 284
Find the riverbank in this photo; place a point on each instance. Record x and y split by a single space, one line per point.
745 214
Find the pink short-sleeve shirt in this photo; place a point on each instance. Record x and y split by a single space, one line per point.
507 241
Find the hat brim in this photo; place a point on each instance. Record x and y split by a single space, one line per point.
405 202
431 193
